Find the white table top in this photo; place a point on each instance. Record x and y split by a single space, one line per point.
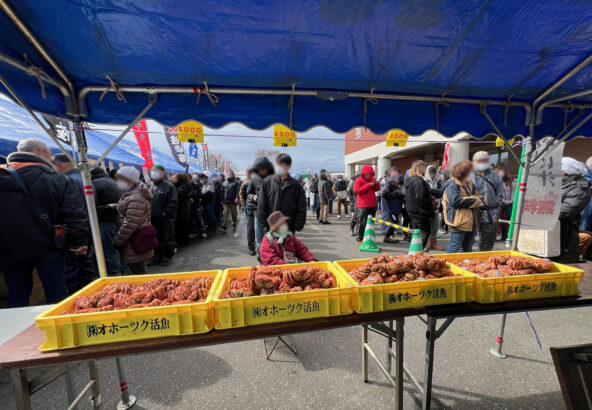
15 320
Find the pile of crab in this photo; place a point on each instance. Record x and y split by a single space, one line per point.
402 268
270 280
158 292
504 265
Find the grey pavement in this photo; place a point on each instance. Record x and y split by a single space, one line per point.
327 371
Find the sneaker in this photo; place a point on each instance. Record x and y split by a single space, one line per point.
359 242
388 239
204 235
320 221
326 223
351 232
338 216
221 230
252 253
166 262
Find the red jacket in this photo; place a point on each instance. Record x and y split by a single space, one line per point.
273 254
364 190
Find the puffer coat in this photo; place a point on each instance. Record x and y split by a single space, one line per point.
133 212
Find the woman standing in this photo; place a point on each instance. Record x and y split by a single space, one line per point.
436 190
418 200
183 187
461 203
506 208
133 215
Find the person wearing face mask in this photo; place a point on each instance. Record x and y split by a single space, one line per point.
208 191
489 184
197 223
365 189
281 192
217 180
262 168
230 199
107 194
164 206
279 246
461 202
133 220
325 197
340 189
435 185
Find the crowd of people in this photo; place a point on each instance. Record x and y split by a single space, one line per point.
144 218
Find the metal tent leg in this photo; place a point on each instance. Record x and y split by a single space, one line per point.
389 348
127 400
96 387
497 349
429 362
399 369
364 353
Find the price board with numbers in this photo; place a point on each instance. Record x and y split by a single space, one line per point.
284 136
396 138
191 131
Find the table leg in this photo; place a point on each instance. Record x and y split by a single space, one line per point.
69 387
399 364
96 387
499 340
20 382
389 348
127 400
429 363
364 353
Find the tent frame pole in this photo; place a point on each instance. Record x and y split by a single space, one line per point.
495 127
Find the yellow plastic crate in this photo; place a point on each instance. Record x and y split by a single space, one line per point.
281 307
404 295
563 281
67 331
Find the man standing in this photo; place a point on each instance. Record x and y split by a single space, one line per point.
107 194
41 217
215 180
230 195
164 205
281 192
262 168
340 189
489 184
325 194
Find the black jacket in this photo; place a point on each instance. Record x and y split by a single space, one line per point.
575 196
325 193
230 190
106 193
288 198
164 199
23 233
418 199
183 201
218 192
261 163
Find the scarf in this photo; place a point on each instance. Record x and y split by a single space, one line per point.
281 237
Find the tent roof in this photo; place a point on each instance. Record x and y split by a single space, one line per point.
474 48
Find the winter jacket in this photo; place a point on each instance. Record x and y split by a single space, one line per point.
434 184
183 201
575 196
196 193
164 199
23 232
107 194
365 189
418 199
261 163
273 253
208 191
314 186
230 191
217 192
491 187
392 197
325 194
458 203
288 197
133 212
340 185
242 192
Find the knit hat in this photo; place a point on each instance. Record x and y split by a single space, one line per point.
572 166
158 166
130 173
480 156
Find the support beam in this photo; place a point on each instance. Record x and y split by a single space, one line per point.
495 127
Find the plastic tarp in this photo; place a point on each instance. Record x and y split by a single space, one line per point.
471 48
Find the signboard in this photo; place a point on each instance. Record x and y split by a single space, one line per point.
284 136
190 131
396 138
60 128
542 201
176 146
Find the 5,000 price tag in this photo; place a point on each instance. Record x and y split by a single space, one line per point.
191 131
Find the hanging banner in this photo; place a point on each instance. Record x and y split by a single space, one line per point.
542 201
190 131
225 167
61 128
396 138
176 146
284 136
193 150
445 158
204 148
141 134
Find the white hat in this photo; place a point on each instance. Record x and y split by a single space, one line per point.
480 156
130 173
572 166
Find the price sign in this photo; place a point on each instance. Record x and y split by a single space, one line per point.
500 142
190 131
396 138
284 136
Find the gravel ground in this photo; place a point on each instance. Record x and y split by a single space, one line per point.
327 371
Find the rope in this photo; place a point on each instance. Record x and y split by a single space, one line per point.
506 111
443 104
291 103
370 100
204 89
113 86
37 72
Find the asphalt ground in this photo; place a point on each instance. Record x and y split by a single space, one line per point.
327 371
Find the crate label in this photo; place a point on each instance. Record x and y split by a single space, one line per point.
285 310
536 289
132 328
422 296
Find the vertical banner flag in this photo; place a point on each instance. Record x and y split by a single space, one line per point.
176 146
204 148
225 167
61 128
193 150
445 158
141 134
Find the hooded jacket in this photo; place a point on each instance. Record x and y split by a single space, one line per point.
164 199
418 199
365 189
23 232
133 212
272 252
575 196
392 197
324 190
230 190
107 194
458 202
261 163
286 196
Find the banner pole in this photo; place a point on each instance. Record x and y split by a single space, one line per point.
516 195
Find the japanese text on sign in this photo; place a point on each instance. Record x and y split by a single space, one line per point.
284 136
288 310
190 131
421 295
133 327
543 287
396 138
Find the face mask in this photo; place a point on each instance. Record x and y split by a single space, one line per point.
213 179
481 166
195 178
340 179
155 175
123 186
255 177
471 177
283 228
280 170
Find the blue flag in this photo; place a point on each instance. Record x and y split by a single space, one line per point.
193 150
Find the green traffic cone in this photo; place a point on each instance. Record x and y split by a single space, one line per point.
415 245
369 242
